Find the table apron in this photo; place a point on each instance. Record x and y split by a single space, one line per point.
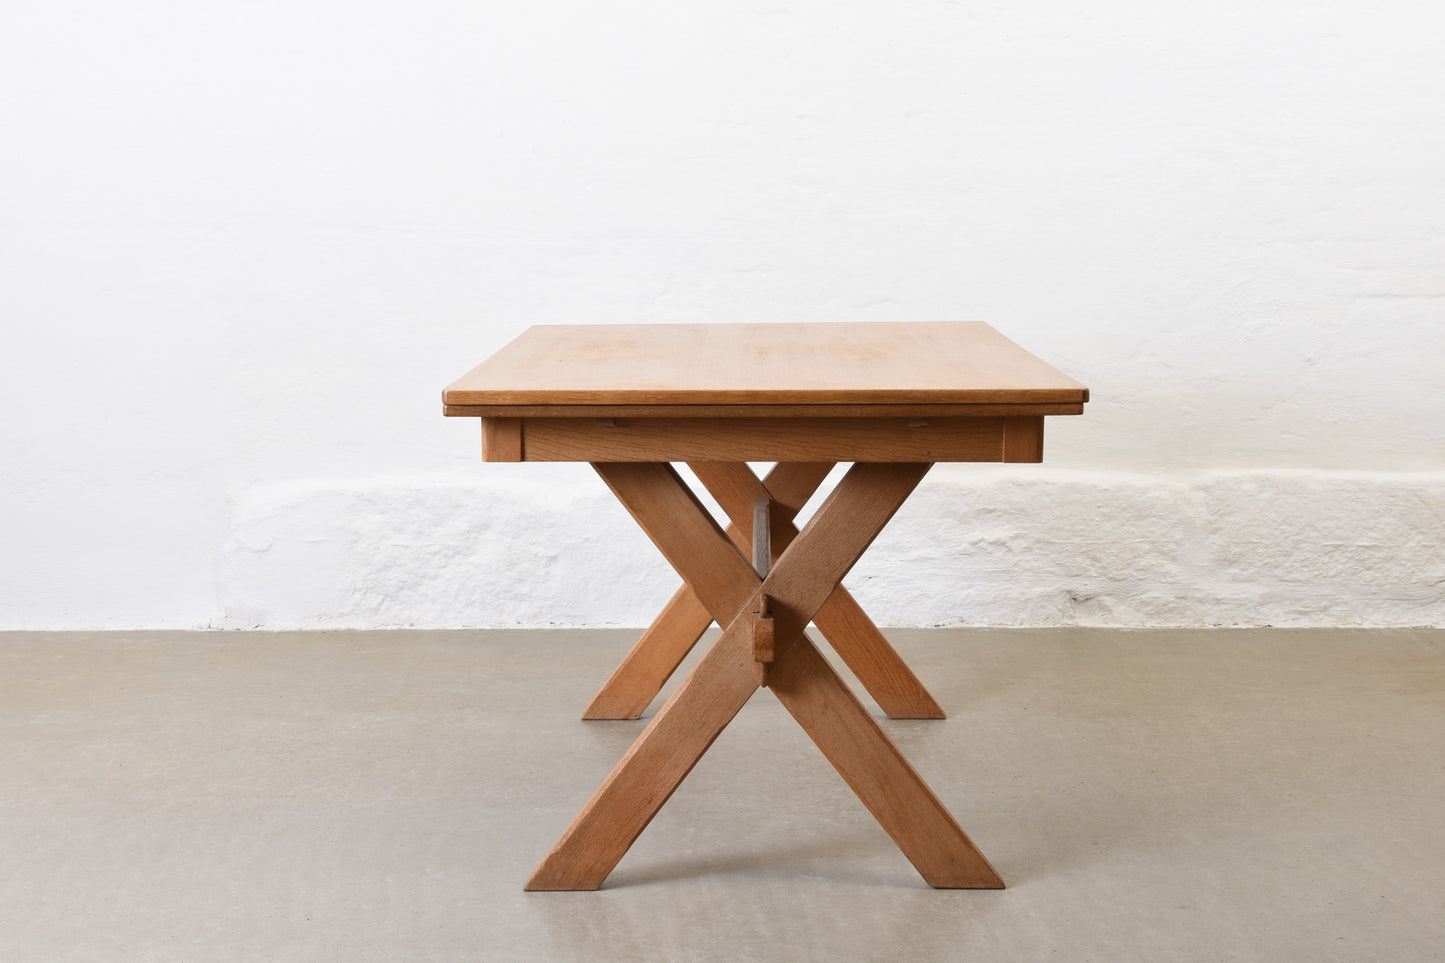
999 439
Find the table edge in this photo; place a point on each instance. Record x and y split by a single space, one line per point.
761 411
653 396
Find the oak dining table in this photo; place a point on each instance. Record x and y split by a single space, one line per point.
890 398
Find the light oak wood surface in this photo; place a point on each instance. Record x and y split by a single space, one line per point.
892 399
642 673
803 578
933 362
758 411
841 619
677 628
763 439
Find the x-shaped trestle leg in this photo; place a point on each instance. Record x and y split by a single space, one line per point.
674 632
804 577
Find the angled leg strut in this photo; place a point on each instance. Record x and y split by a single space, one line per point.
800 582
841 619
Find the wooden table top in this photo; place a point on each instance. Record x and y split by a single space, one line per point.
867 363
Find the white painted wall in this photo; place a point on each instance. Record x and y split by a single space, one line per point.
243 246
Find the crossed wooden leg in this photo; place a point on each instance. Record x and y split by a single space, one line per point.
805 576
674 632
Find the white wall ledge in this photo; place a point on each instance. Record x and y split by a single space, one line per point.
976 545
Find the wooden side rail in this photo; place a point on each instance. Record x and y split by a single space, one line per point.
1011 439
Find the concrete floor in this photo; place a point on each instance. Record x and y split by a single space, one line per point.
1162 795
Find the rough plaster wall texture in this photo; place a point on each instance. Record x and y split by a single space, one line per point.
976 545
244 246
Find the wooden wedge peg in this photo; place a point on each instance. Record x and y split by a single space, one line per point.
761 624
762 537
762 619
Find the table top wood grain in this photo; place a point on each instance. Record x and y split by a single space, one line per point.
863 363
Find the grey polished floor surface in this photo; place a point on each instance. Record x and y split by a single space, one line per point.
1162 795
